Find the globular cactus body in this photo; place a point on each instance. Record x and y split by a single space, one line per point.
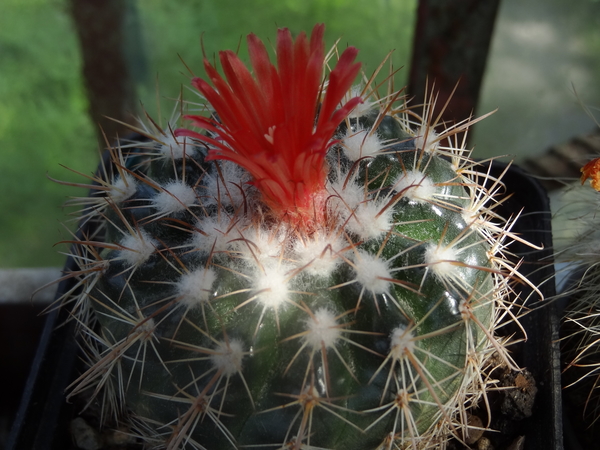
308 270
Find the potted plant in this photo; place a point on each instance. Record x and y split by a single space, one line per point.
578 255
314 265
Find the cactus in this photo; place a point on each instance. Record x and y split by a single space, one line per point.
580 329
300 264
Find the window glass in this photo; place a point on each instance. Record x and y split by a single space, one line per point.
542 51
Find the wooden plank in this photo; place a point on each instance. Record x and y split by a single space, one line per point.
451 45
105 34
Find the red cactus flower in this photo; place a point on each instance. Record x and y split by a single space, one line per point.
592 169
274 123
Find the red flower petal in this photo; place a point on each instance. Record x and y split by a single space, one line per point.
266 121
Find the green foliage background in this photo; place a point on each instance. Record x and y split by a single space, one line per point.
43 106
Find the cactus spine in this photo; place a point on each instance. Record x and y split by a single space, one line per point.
311 267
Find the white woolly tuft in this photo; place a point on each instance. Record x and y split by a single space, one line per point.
416 186
363 217
271 285
401 342
195 287
122 188
344 199
319 253
360 143
175 148
261 245
214 231
224 188
470 216
137 248
440 260
322 330
145 329
361 109
174 197
360 215
426 139
372 272
228 357
368 222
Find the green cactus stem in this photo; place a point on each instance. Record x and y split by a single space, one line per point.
309 267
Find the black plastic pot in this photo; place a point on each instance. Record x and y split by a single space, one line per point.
42 422
540 354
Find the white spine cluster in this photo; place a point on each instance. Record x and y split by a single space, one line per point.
226 187
196 287
322 330
416 186
372 272
227 357
175 148
137 248
346 194
442 261
214 234
370 220
320 254
401 342
366 217
427 139
258 245
362 108
360 143
123 187
271 285
145 329
174 197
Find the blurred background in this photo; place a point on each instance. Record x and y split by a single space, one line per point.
541 51
64 64
44 107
